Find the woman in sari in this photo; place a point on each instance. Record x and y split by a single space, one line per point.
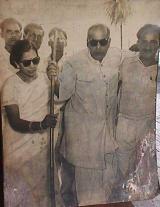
25 109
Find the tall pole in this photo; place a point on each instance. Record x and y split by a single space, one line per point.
52 154
121 30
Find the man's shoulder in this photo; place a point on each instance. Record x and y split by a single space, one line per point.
130 57
77 57
115 50
114 54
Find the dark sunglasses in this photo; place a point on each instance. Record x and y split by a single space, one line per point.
102 42
27 63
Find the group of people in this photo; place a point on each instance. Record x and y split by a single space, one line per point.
105 149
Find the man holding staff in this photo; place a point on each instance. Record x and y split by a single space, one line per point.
89 83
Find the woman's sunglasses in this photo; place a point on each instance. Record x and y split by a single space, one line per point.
102 42
27 63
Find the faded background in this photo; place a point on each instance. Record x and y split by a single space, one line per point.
76 16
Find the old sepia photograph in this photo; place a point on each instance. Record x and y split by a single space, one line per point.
80 102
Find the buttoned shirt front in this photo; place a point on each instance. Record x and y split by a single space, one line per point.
91 90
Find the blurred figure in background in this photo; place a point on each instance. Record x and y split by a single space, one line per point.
34 33
11 31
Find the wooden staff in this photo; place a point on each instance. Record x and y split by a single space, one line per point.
52 154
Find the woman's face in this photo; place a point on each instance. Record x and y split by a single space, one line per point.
28 64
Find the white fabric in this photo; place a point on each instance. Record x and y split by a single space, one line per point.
6 70
91 88
156 201
32 100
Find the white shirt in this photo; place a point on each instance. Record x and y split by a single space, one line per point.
6 69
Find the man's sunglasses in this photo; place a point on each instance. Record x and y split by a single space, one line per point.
27 63
102 42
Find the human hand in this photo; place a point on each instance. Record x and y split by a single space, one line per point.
49 121
52 69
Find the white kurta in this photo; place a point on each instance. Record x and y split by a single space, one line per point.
89 118
136 126
91 88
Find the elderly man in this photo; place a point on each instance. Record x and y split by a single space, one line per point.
89 82
34 33
10 32
136 122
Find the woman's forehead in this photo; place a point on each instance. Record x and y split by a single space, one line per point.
29 54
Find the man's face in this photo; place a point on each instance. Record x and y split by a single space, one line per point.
35 37
11 33
98 44
148 46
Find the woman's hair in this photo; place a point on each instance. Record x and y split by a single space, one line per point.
19 48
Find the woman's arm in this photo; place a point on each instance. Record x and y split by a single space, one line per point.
24 126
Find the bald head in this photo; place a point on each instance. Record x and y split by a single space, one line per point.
29 28
10 32
98 30
148 29
7 21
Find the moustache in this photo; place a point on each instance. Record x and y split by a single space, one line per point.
12 40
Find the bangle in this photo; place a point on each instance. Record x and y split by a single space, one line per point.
40 126
30 126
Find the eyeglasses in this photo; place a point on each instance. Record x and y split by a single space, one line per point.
27 63
102 42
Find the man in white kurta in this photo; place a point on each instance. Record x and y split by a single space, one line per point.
136 123
89 81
